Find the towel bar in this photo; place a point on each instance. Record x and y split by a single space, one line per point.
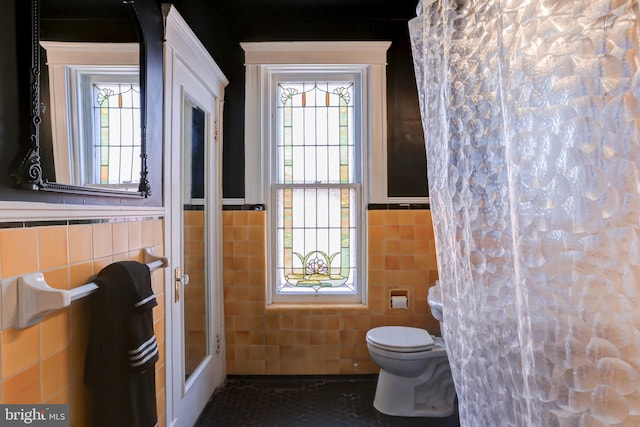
36 298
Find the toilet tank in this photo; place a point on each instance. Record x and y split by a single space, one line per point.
435 301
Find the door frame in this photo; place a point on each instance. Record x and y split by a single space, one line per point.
182 45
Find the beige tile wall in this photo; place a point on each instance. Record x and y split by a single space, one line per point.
323 339
45 362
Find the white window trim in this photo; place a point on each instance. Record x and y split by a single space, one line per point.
266 60
61 57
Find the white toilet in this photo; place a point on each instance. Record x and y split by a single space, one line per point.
415 378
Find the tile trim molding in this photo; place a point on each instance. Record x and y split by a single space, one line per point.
370 207
244 207
55 222
398 206
18 211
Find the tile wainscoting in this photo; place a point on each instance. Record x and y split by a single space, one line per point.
45 362
323 339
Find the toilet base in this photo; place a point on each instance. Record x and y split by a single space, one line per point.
432 394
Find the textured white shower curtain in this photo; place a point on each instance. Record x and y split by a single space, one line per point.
531 112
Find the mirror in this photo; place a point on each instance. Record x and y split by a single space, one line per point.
196 312
88 102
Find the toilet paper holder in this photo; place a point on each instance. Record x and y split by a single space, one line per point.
398 299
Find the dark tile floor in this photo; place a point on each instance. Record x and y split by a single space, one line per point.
310 401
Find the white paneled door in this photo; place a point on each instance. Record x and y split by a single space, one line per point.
194 89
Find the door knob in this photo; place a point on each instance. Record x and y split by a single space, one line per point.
180 279
184 279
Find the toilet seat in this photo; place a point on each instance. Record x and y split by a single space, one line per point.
401 339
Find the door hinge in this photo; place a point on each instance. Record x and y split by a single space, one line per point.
217 343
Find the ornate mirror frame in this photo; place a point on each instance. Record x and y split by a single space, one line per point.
26 168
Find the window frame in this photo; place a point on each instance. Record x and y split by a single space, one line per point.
66 62
266 62
325 73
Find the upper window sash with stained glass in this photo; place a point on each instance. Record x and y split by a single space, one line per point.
316 187
116 139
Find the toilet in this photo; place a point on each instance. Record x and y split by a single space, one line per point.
415 377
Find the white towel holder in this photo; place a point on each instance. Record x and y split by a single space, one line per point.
36 298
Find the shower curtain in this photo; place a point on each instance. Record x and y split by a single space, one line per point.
531 113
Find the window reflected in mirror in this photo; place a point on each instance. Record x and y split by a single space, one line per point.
95 113
114 132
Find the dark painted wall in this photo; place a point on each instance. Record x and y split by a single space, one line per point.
406 154
221 26
9 117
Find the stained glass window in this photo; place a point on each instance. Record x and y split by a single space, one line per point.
116 153
316 188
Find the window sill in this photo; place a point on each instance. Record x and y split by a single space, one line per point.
280 307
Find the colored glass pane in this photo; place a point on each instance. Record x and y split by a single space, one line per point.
104 174
104 116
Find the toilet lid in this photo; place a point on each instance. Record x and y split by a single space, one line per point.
400 338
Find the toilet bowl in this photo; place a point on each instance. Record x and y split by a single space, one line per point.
415 377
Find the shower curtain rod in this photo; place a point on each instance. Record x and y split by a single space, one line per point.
36 299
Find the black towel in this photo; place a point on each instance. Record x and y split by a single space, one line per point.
122 349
